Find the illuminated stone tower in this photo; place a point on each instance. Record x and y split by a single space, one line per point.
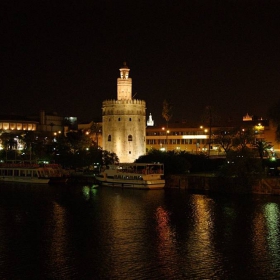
124 121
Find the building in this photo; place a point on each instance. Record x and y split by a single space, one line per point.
124 121
197 139
15 124
51 123
45 124
180 137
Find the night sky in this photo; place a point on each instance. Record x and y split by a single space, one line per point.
64 56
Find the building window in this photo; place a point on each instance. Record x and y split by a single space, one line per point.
119 119
129 152
130 119
129 138
109 138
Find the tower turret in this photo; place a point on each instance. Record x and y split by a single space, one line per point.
124 84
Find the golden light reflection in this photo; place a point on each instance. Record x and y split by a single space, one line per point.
201 240
163 228
259 236
266 234
272 221
167 242
58 254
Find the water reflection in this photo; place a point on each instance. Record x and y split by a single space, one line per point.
58 239
89 191
203 257
167 252
87 233
271 213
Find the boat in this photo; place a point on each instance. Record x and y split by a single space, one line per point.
133 175
54 172
27 172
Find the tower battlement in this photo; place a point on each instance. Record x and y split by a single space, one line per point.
125 101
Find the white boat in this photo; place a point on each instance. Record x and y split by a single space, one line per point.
133 175
29 173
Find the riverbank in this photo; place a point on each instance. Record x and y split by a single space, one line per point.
209 182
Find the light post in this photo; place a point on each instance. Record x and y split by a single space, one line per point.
166 137
210 129
205 133
167 132
163 129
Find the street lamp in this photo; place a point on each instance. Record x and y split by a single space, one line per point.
166 136
167 132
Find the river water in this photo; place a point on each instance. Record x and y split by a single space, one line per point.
81 232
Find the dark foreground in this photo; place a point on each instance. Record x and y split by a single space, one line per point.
80 232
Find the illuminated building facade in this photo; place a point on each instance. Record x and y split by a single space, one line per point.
17 123
124 121
178 137
195 138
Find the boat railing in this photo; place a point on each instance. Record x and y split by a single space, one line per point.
143 171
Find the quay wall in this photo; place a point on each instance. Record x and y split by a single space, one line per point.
212 183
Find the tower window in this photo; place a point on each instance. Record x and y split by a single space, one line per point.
129 138
109 138
119 119
129 152
130 119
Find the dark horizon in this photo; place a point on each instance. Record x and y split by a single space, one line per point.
66 57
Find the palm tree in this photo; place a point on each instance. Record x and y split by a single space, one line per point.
262 146
167 115
167 111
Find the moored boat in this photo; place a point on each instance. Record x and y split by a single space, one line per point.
133 175
54 172
27 172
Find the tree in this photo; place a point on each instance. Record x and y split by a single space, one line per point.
78 141
243 138
262 147
174 162
96 129
167 111
29 138
274 115
109 158
224 138
241 163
